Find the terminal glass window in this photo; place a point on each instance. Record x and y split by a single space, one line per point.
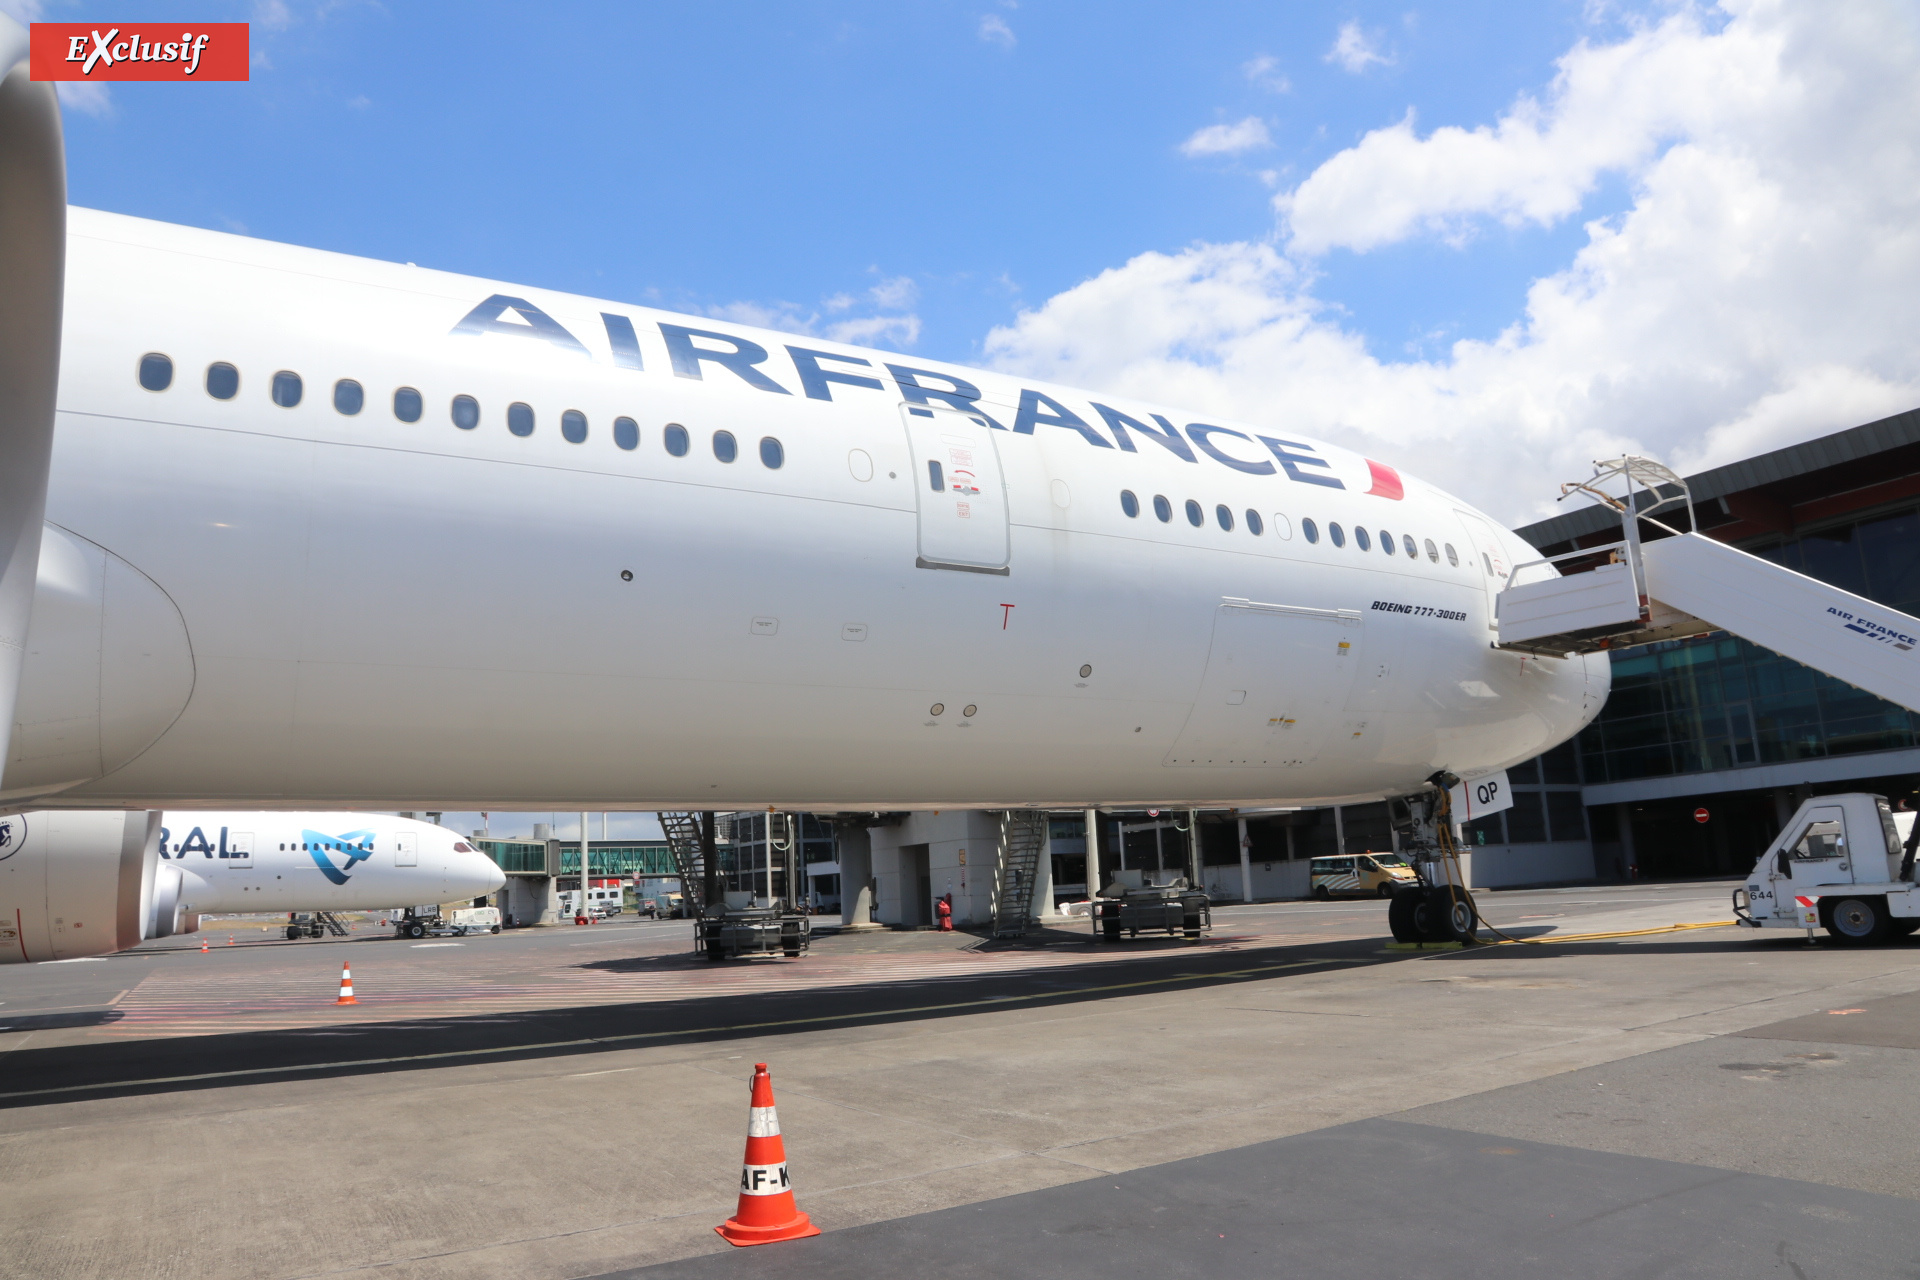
676 440
725 447
348 397
466 412
1162 508
520 418
156 371
407 404
223 380
573 427
1129 503
286 389
626 433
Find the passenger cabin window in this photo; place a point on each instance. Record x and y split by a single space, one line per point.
677 442
348 397
1129 503
156 371
1310 529
223 380
466 412
1406 543
1195 516
773 455
1282 527
520 418
1162 508
1386 542
1224 516
1254 526
1453 557
936 481
407 404
1360 538
1339 535
725 447
573 427
1433 552
286 389
626 433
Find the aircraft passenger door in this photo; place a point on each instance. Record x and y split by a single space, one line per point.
958 490
1277 677
406 849
239 853
1484 555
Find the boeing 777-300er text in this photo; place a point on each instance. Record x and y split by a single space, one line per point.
164 869
326 530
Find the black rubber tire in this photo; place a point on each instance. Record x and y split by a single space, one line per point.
293 933
495 929
1452 915
416 931
1856 922
1404 911
1321 892
1385 890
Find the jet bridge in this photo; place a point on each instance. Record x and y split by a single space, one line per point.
1643 590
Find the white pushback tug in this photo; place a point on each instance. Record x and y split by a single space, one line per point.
1842 864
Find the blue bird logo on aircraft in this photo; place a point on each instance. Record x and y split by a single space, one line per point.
356 846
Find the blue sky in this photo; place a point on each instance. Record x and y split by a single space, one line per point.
709 155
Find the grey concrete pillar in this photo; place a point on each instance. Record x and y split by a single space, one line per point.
1246 864
1040 907
1093 853
854 846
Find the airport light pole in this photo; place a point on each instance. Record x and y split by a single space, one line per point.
1093 854
586 907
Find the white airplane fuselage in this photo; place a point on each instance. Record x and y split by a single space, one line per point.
933 600
279 861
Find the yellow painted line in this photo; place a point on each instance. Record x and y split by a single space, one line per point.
1623 933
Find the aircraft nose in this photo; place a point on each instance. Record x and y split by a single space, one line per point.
474 874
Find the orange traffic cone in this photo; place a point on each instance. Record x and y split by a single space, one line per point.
767 1211
203 946
346 986
231 942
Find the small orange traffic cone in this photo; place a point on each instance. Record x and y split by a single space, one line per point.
203 945
231 942
767 1211
346 985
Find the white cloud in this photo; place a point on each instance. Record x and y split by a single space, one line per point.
1228 139
1355 51
1763 287
272 15
994 30
882 316
1260 71
85 96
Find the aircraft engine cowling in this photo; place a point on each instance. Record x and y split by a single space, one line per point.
81 883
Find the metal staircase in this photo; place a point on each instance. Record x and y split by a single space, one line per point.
1023 840
331 923
1682 584
683 839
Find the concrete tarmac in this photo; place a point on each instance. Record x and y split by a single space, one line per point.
569 1102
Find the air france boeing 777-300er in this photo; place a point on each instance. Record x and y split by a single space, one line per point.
326 530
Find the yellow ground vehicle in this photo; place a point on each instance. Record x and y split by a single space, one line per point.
1360 875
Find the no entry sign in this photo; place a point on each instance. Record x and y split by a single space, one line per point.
1700 815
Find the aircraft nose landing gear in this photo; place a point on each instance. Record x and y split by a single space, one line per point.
1439 908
